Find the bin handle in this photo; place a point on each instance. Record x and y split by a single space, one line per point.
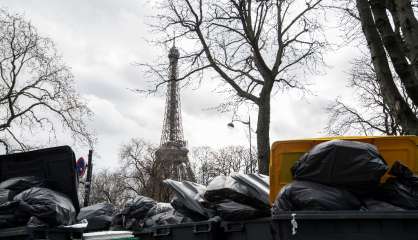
234 227
202 228
161 232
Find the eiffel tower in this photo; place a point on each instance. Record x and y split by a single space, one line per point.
171 157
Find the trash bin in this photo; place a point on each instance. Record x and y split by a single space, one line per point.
204 230
25 233
257 229
284 154
345 225
56 166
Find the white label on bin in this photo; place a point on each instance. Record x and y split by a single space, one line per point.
294 224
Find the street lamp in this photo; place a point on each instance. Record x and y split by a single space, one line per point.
231 124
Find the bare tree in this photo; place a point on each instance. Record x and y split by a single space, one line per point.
110 186
36 87
140 170
256 48
387 83
396 47
372 114
210 162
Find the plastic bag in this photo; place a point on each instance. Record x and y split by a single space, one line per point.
17 185
376 205
404 174
47 205
95 210
138 207
310 196
223 188
191 197
257 183
9 215
179 206
166 218
353 165
233 211
395 192
98 216
6 195
160 207
134 213
401 190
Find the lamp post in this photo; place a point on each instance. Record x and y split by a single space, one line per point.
231 124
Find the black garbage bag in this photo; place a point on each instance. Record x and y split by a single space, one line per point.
229 210
166 218
138 207
401 190
6 195
223 188
395 192
160 207
18 184
178 204
9 216
258 184
95 210
190 200
404 174
376 205
134 213
117 221
310 196
352 165
47 205
98 216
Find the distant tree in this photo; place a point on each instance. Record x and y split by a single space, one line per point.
369 113
387 83
36 87
256 48
110 186
209 162
139 168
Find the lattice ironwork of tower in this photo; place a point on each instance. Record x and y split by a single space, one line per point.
171 156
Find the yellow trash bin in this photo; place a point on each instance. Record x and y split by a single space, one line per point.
283 154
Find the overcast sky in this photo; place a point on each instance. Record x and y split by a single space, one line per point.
101 39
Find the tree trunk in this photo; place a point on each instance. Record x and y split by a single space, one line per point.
263 135
393 45
409 26
397 105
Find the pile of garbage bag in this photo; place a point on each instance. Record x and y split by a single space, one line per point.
230 198
346 175
26 200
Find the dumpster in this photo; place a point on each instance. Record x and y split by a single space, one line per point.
204 230
56 166
257 229
41 233
284 154
345 225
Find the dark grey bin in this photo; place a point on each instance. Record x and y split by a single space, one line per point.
342 225
25 233
258 229
56 166
204 230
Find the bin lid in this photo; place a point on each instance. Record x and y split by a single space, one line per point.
55 165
